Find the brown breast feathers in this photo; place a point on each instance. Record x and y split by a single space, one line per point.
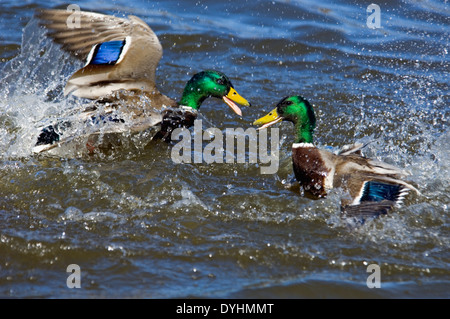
310 170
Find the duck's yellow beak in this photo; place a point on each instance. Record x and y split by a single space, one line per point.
268 120
232 97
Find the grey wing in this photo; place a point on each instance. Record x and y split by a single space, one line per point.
77 32
139 61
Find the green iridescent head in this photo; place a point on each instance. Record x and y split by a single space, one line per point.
211 84
294 109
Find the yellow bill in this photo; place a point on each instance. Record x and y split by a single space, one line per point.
232 97
268 120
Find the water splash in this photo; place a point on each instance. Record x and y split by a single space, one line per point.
32 92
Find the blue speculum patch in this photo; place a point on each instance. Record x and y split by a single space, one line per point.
376 192
107 53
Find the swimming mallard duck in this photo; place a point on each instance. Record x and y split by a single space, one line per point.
121 58
374 187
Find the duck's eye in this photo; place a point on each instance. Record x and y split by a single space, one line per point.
220 81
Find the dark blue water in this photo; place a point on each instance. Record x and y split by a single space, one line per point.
139 225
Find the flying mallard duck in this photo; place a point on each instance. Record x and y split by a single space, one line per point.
374 187
121 58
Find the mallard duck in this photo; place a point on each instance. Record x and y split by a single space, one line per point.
121 58
374 187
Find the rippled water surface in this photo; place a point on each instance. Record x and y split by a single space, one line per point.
141 226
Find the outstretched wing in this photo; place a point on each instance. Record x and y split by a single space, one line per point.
119 53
